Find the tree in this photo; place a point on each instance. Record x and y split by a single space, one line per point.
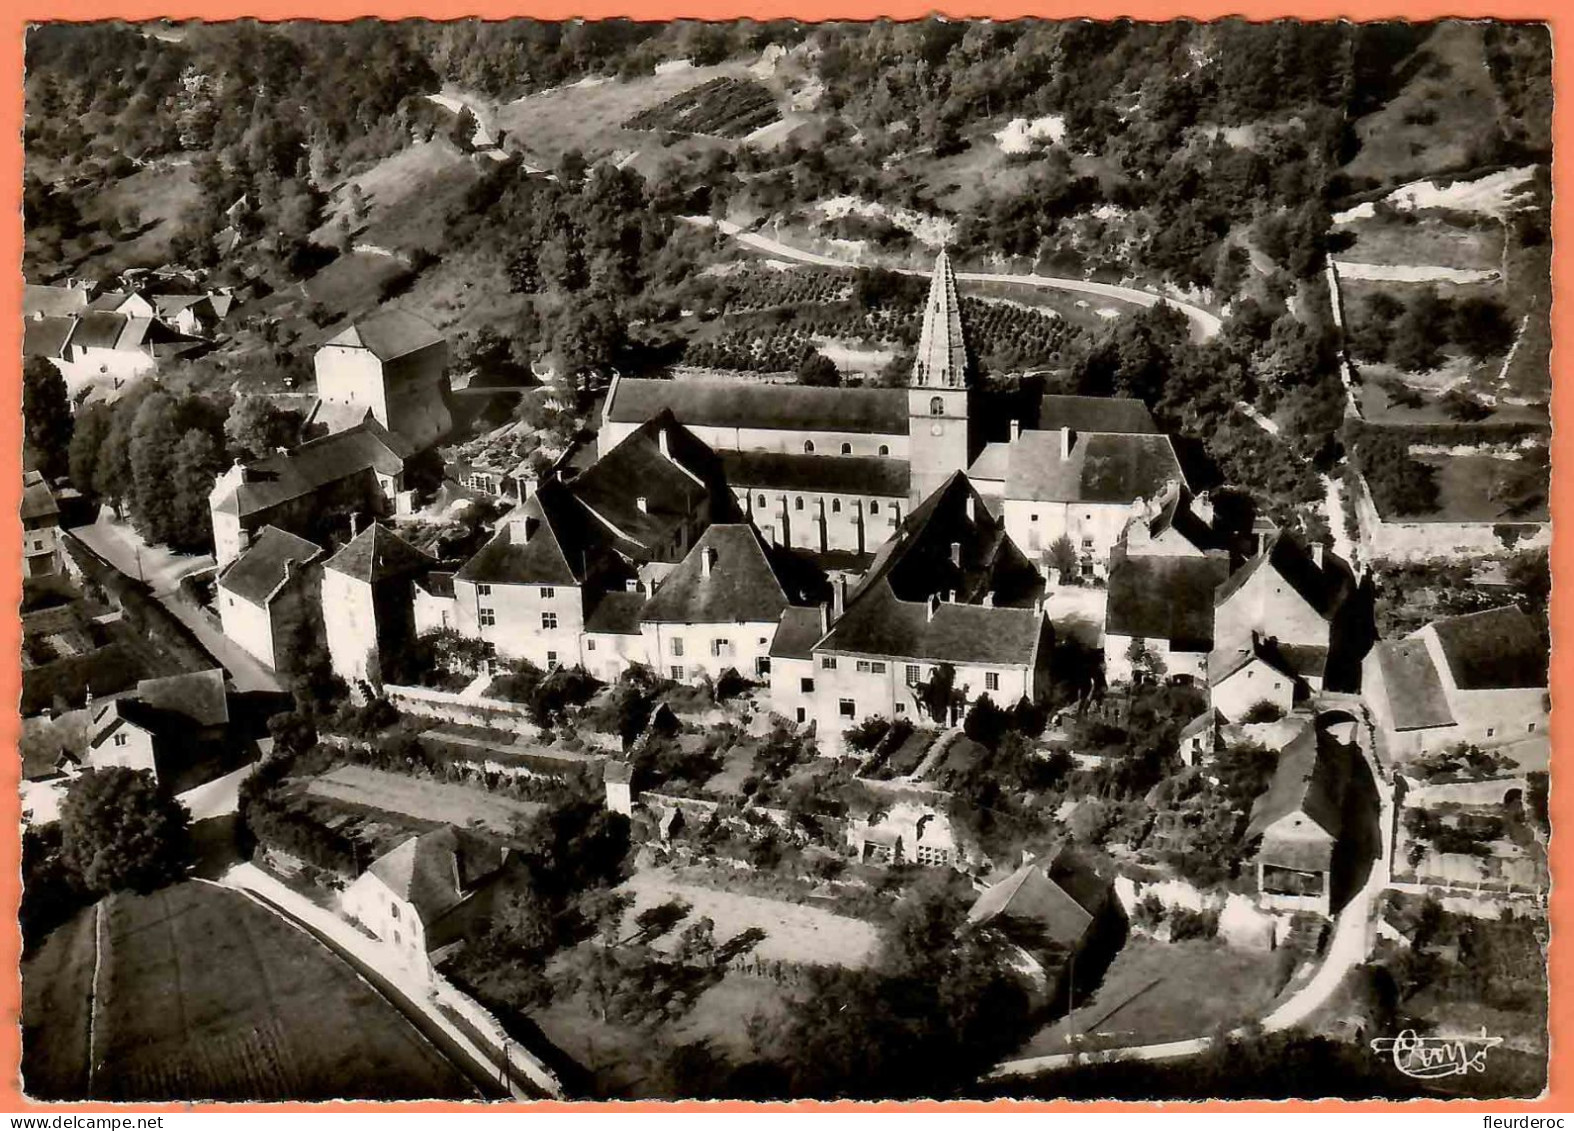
46 413
1063 558
1480 326
87 441
817 369
939 695
986 723
588 337
194 465
257 426
121 832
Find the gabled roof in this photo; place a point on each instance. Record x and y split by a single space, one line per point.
315 464
378 554
388 335
1310 779
992 463
796 634
197 696
549 541
830 473
941 359
47 336
1416 700
38 501
257 574
1492 649
110 300
892 612
435 871
1119 415
1062 897
739 585
733 404
672 484
51 302
1102 467
1322 587
616 613
1291 660
1164 598
102 329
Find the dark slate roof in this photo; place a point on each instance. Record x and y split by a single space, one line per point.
1062 896
389 335
378 554
260 570
1415 692
1495 648
733 404
100 329
38 501
315 464
1323 587
1124 415
791 471
433 872
797 634
742 584
1103 467
52 301
673 485
199 696
1311 777
616 612
46 337
550 541
109 300
438 582
891 613
1164 598
1293 660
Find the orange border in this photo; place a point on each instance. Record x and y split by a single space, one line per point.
1560 1094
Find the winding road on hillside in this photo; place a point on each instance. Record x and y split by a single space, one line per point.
1203 324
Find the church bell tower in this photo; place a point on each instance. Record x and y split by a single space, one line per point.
938 440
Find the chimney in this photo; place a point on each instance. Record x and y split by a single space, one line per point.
661 442
972 513
643 504
707 560
825 619
989 599
956 553
950 596
1016 430
632 585
838 596
1065 442
355 523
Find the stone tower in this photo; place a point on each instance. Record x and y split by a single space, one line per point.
938 440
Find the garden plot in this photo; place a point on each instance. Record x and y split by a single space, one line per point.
424 800
793 933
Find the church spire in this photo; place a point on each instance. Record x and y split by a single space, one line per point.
942 354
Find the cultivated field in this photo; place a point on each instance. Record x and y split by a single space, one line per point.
1156 991
432 801
793 933
202 994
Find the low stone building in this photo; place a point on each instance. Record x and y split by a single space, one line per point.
1300 819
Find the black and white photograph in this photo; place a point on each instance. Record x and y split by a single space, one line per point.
904 560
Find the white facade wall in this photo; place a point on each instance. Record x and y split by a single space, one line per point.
686 652
1094 528
352 376
823 520
728 438
130 747
249 625
1117 665
86 366
539 623
349 619
1268 604
791 697
371 903
609 654
1252 684
433 613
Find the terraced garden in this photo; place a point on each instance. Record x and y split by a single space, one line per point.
722 107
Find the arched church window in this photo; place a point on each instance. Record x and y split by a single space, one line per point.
808 447
762 500
885 449
847 449
936 406
874 507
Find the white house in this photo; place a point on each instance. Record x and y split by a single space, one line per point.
1479 678
266 594
394 366
368 600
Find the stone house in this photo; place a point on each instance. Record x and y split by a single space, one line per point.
393 366
269 593
368 600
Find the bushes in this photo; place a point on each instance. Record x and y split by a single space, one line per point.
1263 711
